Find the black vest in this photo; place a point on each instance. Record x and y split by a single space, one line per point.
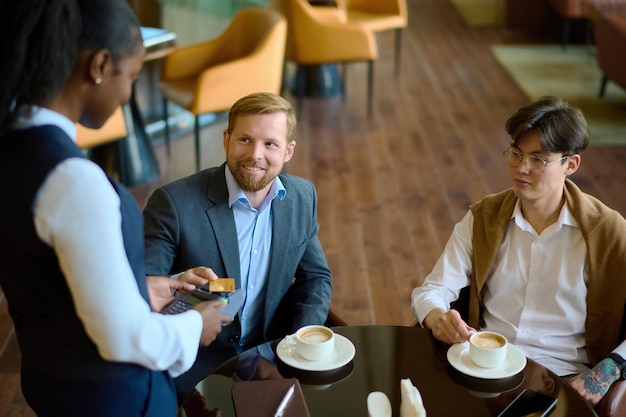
51 337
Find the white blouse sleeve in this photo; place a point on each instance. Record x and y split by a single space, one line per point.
77 213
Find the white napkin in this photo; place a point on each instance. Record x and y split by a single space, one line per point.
412 405
378 405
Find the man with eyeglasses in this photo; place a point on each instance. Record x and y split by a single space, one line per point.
543 260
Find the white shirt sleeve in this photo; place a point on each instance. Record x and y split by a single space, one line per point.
621 349
450 274
77 213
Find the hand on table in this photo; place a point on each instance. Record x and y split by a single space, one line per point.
448 326
593 384
160 290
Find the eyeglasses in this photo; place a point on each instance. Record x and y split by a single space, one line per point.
514 158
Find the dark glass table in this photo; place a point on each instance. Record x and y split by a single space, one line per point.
384 356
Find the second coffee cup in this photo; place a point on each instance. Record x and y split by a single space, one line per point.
487 349
313 342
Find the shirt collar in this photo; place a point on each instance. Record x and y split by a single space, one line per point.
41 116
235 193
565 216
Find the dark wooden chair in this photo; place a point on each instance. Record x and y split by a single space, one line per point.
579 9
334 320
610 36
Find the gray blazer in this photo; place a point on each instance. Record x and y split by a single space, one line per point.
188 223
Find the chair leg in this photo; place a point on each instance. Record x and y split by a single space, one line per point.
122 157
548 20
344 72
605 79
196 129
370 88
167 128
398 49
589 39
283 80
565 33
300 86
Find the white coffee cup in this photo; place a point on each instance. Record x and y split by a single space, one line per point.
312 342
487 349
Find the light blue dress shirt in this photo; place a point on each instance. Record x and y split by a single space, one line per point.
254 237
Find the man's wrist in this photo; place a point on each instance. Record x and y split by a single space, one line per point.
432 317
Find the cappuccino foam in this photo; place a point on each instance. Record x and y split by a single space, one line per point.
314 336
488 341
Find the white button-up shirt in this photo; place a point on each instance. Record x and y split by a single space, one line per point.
536 291
77 213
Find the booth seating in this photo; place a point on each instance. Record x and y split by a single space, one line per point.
610 36
334 319
579 9
613 404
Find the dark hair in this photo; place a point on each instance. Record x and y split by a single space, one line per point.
263 103
38 51
109 24
42 39
562 128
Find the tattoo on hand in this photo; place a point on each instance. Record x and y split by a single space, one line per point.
598 380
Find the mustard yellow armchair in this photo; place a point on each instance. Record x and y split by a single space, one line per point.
208 77
114 129
112 158
321 35
379 16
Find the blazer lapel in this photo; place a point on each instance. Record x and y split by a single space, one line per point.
282 212
223 223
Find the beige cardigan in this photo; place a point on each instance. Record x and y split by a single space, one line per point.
604 232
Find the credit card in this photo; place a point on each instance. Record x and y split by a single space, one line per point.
222 285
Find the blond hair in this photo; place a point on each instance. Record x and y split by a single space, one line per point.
263 103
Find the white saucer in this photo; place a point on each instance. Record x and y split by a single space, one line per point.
458 356
342 354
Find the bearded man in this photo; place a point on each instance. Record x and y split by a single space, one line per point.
249 221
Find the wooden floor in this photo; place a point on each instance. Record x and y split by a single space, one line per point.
391 188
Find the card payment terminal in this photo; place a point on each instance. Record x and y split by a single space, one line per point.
188 300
